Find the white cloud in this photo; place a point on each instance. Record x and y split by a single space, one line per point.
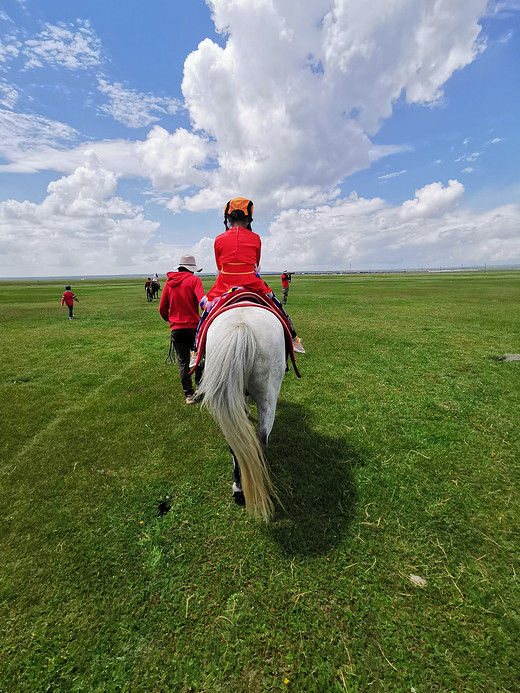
83 227
502 9
61 45
469 157
116 155
173 160
282 114
371 235
9 50
8 95
387 176
80 227
433 200
132 108
293 104
468 169
20 134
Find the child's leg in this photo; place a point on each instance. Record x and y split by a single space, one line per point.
209 305
282 309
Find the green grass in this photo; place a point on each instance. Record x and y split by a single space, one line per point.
396 454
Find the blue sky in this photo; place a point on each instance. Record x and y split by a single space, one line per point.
372 138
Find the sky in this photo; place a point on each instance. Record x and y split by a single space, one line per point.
379 135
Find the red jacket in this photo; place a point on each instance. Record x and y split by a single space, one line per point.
237 254
180 300
68 298
286 278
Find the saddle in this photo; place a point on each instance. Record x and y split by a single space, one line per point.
243 298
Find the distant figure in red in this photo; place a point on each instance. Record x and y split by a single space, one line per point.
179 306
68 299
286 280
237 254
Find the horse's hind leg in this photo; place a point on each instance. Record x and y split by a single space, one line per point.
238 494
266 414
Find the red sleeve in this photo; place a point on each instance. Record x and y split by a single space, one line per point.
76 299
62 300
258 252
217 253
198 289
164 305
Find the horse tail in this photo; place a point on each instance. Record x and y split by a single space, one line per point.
223 387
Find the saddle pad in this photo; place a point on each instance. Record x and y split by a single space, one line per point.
243 298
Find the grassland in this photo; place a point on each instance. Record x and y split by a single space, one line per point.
125 565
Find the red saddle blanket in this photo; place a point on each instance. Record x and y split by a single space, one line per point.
241 298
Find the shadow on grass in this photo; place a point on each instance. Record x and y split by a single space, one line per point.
314 479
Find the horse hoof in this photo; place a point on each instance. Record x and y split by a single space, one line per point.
238 495
239 498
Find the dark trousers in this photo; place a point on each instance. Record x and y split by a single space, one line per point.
71 308
183 342
285 293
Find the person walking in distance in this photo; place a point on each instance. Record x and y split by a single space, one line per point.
68 299
286 280
179 306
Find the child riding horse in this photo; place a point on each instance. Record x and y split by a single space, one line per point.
237 254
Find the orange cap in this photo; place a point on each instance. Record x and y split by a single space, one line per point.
241 203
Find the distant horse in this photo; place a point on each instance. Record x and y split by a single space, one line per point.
149 293
155 289
245 354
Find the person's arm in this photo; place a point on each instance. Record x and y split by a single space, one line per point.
217 254
63 299
76 298
199 290
164 304
258 253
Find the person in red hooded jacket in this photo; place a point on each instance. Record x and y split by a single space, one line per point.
237 255
179 306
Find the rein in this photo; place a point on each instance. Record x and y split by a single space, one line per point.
170 359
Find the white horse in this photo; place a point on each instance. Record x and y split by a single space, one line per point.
245 354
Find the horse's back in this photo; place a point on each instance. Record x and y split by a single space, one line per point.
265 327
